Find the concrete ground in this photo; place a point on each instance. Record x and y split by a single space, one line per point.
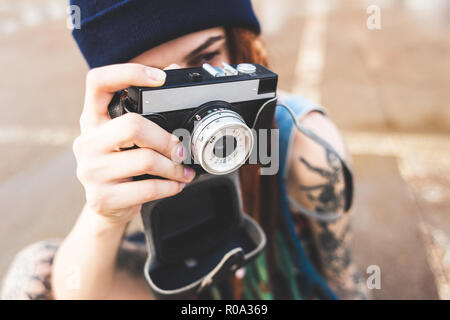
387 90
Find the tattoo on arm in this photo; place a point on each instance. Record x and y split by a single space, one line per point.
337 255
333 238
333 241
330 195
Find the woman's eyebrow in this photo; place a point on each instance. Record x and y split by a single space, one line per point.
203 46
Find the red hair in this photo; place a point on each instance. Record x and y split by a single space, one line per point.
259 193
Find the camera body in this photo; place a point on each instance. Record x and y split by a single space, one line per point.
211 109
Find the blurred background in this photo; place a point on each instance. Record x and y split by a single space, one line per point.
385 82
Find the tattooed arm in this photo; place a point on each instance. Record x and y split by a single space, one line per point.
316 181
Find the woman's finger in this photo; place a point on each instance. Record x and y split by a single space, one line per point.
137 193
133 129
135 162
101 83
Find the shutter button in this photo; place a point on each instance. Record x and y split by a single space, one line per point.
246 68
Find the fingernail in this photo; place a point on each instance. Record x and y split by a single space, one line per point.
155 74
182 185
180 152
188 173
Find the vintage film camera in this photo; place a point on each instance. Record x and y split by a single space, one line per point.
201 234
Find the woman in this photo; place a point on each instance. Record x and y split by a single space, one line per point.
129 43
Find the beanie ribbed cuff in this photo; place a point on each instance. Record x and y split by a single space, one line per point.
116 33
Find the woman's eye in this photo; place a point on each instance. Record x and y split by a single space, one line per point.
204 58
211 56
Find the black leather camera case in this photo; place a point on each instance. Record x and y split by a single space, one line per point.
198 236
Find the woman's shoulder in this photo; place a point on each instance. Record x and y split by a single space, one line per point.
301 106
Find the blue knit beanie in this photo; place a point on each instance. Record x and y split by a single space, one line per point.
115 31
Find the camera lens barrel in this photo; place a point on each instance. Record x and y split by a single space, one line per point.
221 141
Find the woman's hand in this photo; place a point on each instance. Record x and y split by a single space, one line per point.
104 170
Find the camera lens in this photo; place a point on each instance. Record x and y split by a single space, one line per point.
225 146
221 141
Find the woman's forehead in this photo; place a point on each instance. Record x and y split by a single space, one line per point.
174 51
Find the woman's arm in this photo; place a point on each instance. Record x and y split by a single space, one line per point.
316 181
85 264
315 177
88 263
